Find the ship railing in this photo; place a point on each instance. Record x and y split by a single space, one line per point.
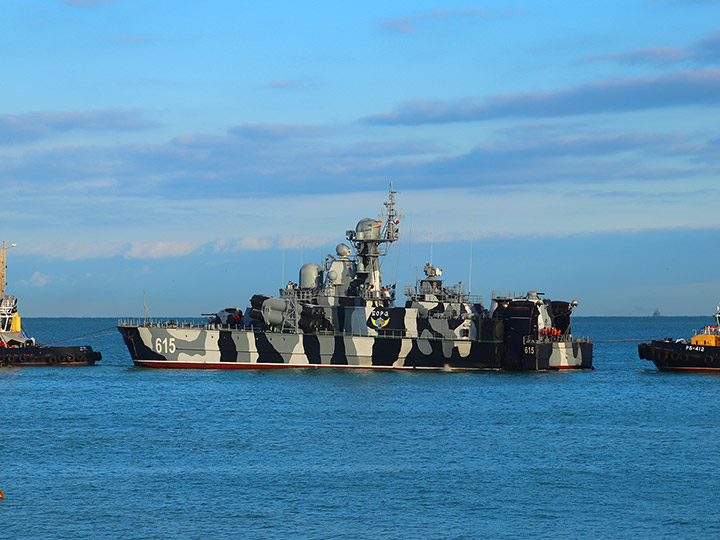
447 298
392 334
708 330
172 324
508 294
464 315
454 294
381 334
161 323
561 338
302 295
309 294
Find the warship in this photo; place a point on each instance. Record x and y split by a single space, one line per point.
340 314
17 349
700 354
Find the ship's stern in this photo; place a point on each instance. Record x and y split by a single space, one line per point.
557 355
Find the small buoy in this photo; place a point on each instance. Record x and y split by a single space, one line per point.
2 495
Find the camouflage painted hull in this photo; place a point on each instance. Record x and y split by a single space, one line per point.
182 347
342 315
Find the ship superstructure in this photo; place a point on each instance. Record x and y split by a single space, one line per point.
342 314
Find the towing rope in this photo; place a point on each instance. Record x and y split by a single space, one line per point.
620 340
93 334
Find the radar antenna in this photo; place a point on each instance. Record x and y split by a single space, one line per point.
391 231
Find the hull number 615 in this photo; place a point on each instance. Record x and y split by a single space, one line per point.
166 345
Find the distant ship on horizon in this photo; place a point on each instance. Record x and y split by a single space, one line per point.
656 313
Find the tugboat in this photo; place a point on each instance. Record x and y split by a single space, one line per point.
701 354
17 349
342 315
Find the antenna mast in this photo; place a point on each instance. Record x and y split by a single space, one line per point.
472 237
3 266
392 220
371 240
470 276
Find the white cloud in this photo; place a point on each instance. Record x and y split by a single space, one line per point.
74 250
38 280
135 228
161 250
303 241
251 244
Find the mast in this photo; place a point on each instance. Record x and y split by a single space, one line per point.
371 240
3 266
390 231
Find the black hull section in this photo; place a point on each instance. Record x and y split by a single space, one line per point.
49 356
673 356
540 356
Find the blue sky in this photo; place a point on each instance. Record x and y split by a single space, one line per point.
187 149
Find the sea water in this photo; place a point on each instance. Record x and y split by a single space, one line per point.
113 451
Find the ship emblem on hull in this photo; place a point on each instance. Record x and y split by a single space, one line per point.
380 318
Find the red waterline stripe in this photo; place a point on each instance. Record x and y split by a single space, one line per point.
238 365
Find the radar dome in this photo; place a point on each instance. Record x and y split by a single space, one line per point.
368 229
311 275
342 250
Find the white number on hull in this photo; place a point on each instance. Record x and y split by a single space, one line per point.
165 345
